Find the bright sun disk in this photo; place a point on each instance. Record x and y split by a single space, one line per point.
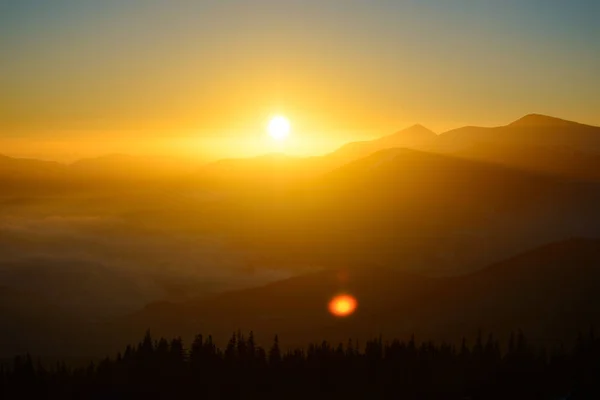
279 127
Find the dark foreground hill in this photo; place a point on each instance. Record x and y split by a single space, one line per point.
549 292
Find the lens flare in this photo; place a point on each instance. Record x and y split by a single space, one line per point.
342 305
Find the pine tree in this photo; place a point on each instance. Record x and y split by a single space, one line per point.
275 352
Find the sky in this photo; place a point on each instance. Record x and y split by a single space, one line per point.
202 78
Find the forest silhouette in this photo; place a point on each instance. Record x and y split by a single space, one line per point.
409 369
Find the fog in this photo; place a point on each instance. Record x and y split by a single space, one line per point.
113 264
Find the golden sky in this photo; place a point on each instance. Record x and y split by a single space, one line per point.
203 77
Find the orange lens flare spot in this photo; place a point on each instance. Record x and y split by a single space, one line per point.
342 305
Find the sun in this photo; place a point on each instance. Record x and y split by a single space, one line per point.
279 127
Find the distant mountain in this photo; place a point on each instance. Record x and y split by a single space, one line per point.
531 130
27 176
549 292
125 167
416 210
539 120
24 168
408 199
414 137
30 176
534 142
18 166
412 177
561 161
279 169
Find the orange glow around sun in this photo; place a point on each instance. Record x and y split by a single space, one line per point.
342 305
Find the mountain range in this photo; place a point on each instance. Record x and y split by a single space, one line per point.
545 137
534 142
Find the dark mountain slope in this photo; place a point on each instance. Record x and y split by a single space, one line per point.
418 211
549 292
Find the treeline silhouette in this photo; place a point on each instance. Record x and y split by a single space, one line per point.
391 369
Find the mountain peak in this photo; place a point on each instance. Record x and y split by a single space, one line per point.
417 129
418 126
416 132
533 120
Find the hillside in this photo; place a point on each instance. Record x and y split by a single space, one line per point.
272 170
421 211
414 137
549 292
